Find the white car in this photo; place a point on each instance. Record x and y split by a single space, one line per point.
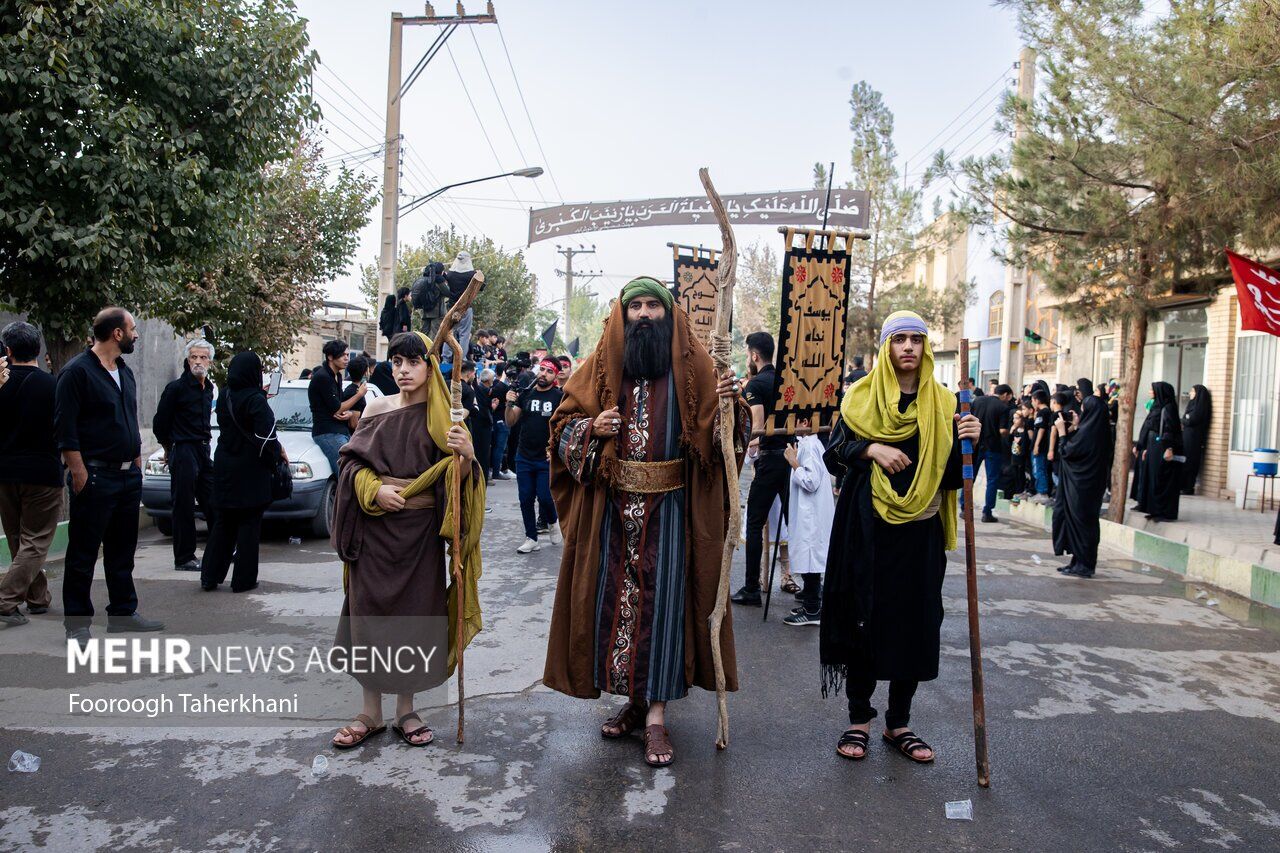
314 481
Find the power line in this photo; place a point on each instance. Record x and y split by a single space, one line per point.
960 115
479 121
546 163
373 112
451 208
362 117
523 159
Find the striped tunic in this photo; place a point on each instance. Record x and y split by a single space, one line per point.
640 598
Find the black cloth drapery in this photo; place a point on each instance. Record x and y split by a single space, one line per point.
1195 434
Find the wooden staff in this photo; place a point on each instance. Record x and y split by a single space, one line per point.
720 355
456 415
971 583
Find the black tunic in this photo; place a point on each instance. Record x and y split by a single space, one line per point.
1084 458
882 609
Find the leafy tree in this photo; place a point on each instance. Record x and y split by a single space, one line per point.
757 294
587 313
894 213
1151 145
300 235
527 335
133 139
509 288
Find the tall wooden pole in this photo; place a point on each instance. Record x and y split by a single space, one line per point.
971 583
720 355
456 415
390 174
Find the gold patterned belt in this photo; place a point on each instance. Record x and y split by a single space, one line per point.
648 478
422 500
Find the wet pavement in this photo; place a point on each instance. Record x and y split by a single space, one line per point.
1124 713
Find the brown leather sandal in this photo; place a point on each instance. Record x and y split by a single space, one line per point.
626 721
657 742
370 729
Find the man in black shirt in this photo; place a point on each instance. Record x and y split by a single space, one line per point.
96 422
996 414
329 412
532 410
357 389
475 399
30 477
181 425
772 479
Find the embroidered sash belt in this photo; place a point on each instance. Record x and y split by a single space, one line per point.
422 500
648 478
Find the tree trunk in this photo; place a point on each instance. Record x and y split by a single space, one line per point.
61 351
1135 348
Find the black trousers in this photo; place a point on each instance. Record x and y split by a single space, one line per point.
772 480
190 482
104 515
811 593
235 535
859 690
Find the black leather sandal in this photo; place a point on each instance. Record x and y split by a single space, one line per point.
408 737
853 737
907 743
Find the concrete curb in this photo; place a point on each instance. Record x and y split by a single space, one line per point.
1242 577
58 549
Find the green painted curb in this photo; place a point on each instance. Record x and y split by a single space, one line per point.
1159 551
56 549
1265 588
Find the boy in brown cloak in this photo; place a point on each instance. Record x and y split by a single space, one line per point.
640 490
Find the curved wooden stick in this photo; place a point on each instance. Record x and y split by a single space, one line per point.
445 335
720 355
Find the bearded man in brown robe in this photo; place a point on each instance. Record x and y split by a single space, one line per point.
639 486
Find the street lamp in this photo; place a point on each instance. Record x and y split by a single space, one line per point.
414 203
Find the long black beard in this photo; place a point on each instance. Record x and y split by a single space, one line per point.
646 351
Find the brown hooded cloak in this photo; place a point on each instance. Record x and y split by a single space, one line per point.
594 388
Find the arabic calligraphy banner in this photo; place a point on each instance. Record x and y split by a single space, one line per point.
801 207
697 283
810 359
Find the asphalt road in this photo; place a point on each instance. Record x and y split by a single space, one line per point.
1124 713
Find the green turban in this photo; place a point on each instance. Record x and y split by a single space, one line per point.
645 286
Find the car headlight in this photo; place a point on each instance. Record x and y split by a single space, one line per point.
157 468
300 471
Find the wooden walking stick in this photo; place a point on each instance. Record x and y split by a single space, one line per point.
456 415
720 355
971 583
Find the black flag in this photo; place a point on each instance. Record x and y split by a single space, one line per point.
573 347
549 334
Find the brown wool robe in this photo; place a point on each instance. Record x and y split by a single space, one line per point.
397 566
593 388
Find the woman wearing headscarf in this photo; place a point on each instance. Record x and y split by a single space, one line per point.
896 456
382 379
1159 451
1084 461
393 514
1195 434
248 451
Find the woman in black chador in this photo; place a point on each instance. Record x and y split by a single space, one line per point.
1195 433
1159 452
1084 461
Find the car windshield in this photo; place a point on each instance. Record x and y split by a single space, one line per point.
292 409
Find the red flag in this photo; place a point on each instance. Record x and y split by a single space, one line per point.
1259 290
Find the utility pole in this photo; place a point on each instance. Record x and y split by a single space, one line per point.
392 137
568 274
1016 286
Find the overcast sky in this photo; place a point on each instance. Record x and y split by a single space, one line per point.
629 99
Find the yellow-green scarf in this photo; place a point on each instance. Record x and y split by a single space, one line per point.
870 409
367 484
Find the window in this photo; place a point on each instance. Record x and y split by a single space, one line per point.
357 341
1254 407
1104 358
995 315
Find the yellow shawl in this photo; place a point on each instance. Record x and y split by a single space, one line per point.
870 409
367 484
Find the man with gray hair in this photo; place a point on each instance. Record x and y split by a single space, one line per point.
30 476
181 426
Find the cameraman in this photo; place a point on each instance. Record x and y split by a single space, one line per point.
429 294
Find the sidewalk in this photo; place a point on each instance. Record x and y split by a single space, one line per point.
1213 542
